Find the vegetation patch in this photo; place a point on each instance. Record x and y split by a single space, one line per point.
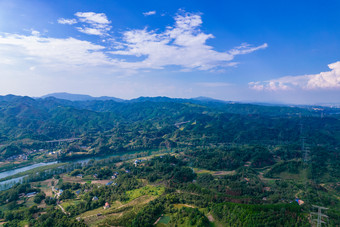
147 190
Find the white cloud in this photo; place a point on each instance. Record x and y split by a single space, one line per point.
67 21
93 23
246 48
97 23
324 80
92 18
51 52
35 33
149 13
90 31
183 44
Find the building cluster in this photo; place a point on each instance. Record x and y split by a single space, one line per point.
28 195
57 191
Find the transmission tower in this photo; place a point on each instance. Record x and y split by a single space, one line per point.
303 148
319 220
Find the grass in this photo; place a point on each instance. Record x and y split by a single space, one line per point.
117 210
164 220
216 173
69 203
179 206
29 202
203 171
147 190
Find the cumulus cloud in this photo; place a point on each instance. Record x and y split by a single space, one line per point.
35 33
67 21
93 23
92 18
324 80
96 23
149 13
182 44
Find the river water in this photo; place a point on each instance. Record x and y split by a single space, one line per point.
23 169
9 183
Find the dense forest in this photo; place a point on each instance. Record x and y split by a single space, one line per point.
151 123
181 162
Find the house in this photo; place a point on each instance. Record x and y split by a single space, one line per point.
127 171
267 189
113 177
80 175
78 192
136 162
95 198
299 201
109 183
95 175
59 193
106 206
31 194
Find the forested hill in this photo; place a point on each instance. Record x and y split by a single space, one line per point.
148 123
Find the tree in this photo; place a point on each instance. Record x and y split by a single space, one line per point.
67 194
39 197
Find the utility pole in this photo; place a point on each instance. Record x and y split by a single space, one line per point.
319 220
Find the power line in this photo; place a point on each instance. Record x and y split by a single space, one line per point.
319 220
303 147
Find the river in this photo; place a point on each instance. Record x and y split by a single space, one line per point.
9 183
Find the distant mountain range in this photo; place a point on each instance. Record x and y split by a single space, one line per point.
79 97
150 122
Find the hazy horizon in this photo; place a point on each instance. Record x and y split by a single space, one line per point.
232 51
326 104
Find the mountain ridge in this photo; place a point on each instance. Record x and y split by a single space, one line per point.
79 97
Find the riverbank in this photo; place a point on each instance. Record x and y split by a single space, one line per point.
20 173
32 170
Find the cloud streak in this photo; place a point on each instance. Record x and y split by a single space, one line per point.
323 80
67 21
149 13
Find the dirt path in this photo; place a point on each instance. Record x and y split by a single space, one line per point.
210 217
62 209
262 178
158 220
191 193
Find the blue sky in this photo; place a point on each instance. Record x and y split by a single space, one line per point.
260 51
